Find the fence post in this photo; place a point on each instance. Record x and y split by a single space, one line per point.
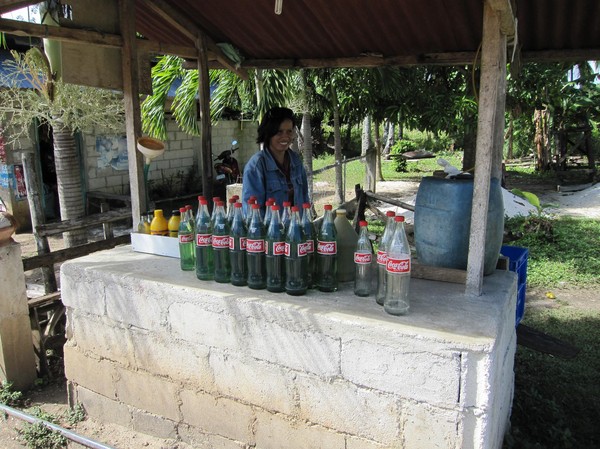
17 358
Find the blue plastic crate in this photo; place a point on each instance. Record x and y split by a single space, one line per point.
518 263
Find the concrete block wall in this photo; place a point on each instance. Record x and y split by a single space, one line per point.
152 348
182 153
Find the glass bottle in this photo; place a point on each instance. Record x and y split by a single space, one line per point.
346 244
308 229
204 251
286 215
326 258
255 251
295 257
159 224
142 228
363 258
237 247
220 244
382 255
275 253
397 299
187 256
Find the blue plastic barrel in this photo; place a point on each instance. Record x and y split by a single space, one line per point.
443 222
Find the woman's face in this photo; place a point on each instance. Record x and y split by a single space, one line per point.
281 141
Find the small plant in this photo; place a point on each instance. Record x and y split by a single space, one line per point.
75 415
540 224
8 396
401 147
38 436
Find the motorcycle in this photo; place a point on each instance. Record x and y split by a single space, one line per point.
227 169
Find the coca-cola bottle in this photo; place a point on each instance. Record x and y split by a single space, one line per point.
251 202
275 248
204 251
363 258
230 210
382 255
309 236
220 244
187 248
326 272
286 215
216 199
255 251
237 247
296 260
397 299
268 212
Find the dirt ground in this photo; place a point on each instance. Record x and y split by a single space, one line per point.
53 397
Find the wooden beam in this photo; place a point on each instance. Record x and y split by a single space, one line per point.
12 5
493 77
181 22
205 124
19 28
133 120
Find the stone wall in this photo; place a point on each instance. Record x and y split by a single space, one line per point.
154 349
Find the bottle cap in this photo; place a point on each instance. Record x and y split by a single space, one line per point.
256 206
295 209
306 205
237 205
363 223
400 218
274 207
181 210
390 213
328 207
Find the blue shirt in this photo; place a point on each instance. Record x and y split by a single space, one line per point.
264 179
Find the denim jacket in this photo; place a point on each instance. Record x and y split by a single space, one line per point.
264 179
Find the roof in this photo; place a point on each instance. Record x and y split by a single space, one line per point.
344 32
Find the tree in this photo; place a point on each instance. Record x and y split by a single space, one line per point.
67 109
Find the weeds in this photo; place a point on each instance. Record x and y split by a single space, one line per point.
8 396
38 436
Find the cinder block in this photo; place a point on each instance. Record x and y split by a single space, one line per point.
104 338
429 427
361 443
77 290
197 439
17 362
154 425
220 416
138 305
238 377
102 408
13 294
475 384
273 429
113 181
347 408
420 375
172 358
149 393
97 375
97 183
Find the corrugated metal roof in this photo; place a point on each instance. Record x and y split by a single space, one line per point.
332 29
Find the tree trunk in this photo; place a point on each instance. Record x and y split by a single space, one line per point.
510 135
305 129
70 189
370 152
340 194
378 151
391 138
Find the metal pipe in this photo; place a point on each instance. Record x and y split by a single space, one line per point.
64 432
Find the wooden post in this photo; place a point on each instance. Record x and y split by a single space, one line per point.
489 140
37 217
131 97
205 127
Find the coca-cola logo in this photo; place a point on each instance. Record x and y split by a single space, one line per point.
310 246
186 238
242 243
302 249
398 265
363 258
203 239
382 257
255 246
326 248
220 241
278 248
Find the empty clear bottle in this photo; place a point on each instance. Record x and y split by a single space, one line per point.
237 247
275 249
220 244
255 251
326 257
204 251
187 248
382 255
397 295
296 267
363 258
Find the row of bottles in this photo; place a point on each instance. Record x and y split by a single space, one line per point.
282 252
277 252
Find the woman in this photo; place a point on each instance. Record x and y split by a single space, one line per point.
275 171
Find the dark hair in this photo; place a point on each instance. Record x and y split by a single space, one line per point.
269 126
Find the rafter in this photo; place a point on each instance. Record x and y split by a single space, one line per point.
181 22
